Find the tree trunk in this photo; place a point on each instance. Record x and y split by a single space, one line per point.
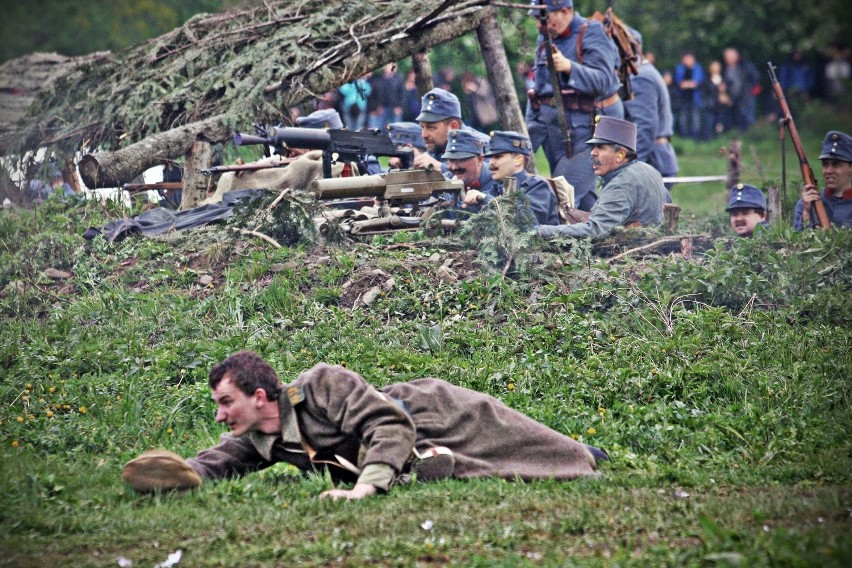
735 149
195 182
671 214
112 169
773 206
422 72
500 73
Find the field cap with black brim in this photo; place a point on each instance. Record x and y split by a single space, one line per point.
462 144
744 196
611 130
406 134
506 141
325 118
837 146
438 105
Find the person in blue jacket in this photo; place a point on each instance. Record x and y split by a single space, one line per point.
508 155
585 60
836 158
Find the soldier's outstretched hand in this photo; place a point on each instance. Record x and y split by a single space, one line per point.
360 491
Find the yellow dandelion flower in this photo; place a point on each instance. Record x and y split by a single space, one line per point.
575 436
29 386
52 390
66 406
30 416
591 431
49 414
15 443
82 410
20 418
511 386
25 398
169 431
601 410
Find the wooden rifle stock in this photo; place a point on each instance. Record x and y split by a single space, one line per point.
807 173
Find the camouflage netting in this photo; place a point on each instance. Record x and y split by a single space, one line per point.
227 69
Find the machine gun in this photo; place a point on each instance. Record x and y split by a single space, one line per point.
394 188
398 187
337 145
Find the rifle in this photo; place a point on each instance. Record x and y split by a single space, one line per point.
165 185
628 49
338 145
554 77
280 163
395 187
807 173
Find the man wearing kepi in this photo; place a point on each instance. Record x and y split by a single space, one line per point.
747 208
836 158
632 192
440 112
585 59
465 157
330 418
508 155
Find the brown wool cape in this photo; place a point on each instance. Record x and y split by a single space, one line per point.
330 416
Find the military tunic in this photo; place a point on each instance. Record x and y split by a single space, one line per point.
332 418
595 77
490 189
543 203
631 193
838 209
651 112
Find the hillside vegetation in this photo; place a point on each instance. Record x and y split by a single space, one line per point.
719 385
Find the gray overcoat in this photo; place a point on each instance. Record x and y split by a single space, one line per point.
331 417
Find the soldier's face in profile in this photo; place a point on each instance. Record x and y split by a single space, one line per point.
837 175
504 165
436 134
466 169
604 159
744 220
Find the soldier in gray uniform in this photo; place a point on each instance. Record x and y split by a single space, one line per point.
585 61
651 112
632 192
329 418
508 154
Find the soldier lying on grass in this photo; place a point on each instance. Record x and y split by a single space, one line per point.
330 418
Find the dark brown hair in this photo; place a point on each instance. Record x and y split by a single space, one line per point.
248 372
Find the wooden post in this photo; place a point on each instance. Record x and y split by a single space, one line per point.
195 182
671 214
500 73
734 154
69 174
422 72
774 213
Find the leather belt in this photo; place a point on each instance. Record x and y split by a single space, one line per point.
574 101
607 102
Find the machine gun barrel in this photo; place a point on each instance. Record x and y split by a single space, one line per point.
403 186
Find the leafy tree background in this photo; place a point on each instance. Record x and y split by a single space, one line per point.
762 30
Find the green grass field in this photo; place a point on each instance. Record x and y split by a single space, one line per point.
719 386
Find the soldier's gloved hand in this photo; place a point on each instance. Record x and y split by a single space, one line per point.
159 470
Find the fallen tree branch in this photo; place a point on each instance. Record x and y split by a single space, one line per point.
651 246
260 235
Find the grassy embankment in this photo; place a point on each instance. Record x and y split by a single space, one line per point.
719 386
